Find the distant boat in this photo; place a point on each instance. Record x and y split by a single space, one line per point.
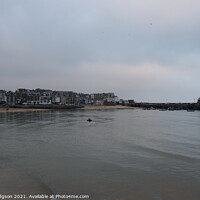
89 120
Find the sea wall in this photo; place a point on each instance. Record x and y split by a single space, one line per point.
169 106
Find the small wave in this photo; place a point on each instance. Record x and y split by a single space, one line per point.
171 155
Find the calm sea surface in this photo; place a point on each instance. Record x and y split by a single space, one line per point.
122 154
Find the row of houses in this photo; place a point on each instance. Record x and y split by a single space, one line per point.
45 97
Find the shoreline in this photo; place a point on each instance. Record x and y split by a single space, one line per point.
92 107
86 107
12 110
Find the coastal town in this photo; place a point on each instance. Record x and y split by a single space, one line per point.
49 97
52 99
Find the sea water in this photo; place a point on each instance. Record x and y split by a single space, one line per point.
123 154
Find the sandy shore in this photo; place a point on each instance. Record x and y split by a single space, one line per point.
90 107
20 110
87 107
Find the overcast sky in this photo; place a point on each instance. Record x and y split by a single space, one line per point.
147 50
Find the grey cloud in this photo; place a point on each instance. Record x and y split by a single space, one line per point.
52 38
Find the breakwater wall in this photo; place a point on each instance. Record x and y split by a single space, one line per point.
167 106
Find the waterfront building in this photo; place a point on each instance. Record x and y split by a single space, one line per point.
3 98
33 97
45 98
85 99
104 98
11 98
21 96
131 101
56 97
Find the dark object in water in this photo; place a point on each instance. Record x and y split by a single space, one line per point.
89 120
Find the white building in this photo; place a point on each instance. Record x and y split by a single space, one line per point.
45 98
